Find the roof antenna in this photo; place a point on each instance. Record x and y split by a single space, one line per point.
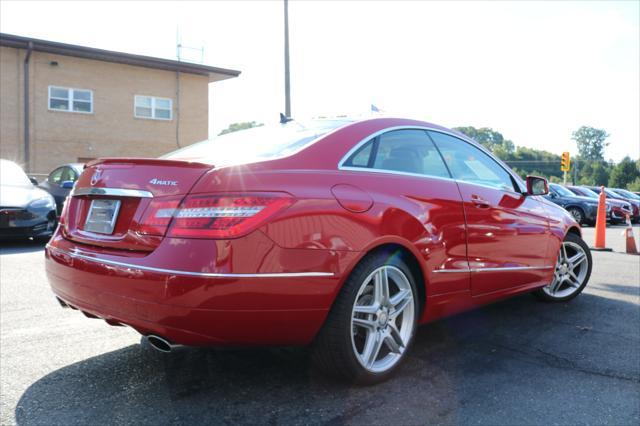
284 119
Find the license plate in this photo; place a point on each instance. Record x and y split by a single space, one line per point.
102 216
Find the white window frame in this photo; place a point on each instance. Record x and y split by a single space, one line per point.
70 92
153 108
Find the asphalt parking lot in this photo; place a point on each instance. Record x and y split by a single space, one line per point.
515 362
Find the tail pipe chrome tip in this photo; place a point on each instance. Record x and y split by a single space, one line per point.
161 344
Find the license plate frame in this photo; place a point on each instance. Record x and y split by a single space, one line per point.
102 216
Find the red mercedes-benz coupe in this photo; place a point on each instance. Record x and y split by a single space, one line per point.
340 234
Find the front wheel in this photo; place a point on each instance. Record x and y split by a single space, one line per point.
372 322
572 271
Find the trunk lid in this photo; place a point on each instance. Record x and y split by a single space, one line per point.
121 189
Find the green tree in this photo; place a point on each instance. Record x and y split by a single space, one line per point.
634 186
594 173
234 127
591 142
489 138
624 173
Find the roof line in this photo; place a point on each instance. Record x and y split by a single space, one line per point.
214 73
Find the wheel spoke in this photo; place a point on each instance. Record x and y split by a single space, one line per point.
575 282
577 260
381 286
366 309
392 344
395 333
564 252
400 302
556 284
370 325
372 348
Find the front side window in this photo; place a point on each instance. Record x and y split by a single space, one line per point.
152 107
70 100
469 164
405 151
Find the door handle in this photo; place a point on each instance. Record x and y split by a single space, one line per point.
480 202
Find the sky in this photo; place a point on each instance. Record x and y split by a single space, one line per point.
534 71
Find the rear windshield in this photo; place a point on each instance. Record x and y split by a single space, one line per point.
256 144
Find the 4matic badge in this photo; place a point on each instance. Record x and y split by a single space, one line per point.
156 181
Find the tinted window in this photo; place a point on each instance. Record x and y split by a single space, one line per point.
409 151
469 164
258 143
68 175
56 176
561 190
361 157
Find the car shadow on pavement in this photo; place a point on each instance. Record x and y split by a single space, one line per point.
505 363
22 246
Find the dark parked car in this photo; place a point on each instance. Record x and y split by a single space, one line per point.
60 182
610 194
619 208
25 210
583 209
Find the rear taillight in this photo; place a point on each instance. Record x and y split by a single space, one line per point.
157 216
211 216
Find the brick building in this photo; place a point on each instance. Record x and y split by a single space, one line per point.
62 103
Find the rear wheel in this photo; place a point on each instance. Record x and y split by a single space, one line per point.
572 271
372 322
577 214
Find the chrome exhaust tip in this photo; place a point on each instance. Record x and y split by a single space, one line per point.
160 344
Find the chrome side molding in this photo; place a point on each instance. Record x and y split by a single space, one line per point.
502 269
190 273
116 192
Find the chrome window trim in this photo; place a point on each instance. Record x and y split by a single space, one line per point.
395 172
191 273
500 269
116 192
477 145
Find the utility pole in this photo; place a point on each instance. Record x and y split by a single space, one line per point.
287 85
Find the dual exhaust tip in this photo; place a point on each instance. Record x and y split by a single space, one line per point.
160 344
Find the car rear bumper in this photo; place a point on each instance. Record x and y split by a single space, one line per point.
188 291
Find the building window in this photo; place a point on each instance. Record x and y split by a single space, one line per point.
152 107
70 100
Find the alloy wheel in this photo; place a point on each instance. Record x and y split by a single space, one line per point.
570 272
577 215
382 319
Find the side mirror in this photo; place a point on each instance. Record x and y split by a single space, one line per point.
67 184
537 185
33 180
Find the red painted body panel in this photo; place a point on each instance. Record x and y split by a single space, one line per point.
336 218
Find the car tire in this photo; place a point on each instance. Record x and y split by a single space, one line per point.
578 214
366 335
574 254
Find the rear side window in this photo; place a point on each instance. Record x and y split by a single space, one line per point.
362 157
56 176
469 164
405 151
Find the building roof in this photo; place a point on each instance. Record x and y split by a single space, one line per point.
214 73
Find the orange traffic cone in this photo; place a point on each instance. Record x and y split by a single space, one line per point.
601 223
631 241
